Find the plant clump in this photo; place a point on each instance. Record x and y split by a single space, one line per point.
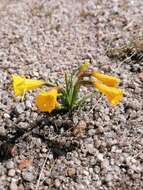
67 96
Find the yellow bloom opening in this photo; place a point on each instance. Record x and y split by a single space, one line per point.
21 84
84 67
47 101
106 79
113 94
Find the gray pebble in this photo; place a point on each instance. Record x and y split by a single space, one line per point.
44 150
91 132
13 186
2 187
11 173
20 108
79 187
71 172
50 156
85 172
97 169
2 170
10 164
90 148
57 183
28 104
6 115
28 176
100 129
23 125
21 187
105 164
100 157
2 131
109 177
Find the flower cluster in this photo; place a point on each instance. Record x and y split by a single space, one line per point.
108 86
66 96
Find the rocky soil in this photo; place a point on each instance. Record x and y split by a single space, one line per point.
98 148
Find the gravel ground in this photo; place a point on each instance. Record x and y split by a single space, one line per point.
103 150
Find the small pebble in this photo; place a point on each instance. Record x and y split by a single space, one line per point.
2 131
28 176
13 186
105 164
57 183
71 172
90 148
28 104
80 187
2 170
109 177
11 173
99 157
44 150
21 187
91 132
2 187
85 172
20 108
6 115
100 129
10 165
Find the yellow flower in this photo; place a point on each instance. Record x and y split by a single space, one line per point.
84 67
21 84
106 79
113 94
47 101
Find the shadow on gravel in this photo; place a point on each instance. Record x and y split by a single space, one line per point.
8 145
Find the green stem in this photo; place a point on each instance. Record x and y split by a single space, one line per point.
49 84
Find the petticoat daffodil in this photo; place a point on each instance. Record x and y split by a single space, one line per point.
106 79
114 95
21 84
47 101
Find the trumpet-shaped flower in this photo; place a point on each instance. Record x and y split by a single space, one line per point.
21 84
106 79
113 94
47 101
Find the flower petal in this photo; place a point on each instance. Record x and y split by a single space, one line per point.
106 79
47 101
21 84
31 84
18 85
113 94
